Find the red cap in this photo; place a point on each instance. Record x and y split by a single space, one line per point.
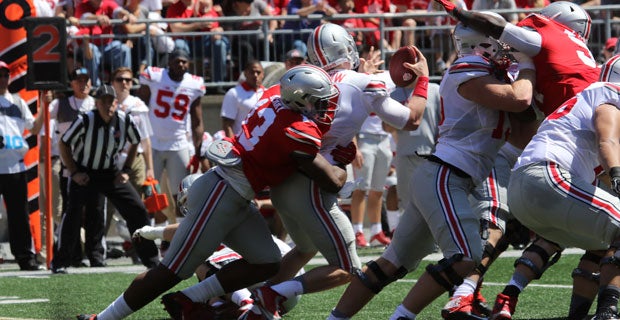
3 65
610 44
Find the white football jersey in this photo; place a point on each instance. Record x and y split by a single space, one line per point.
354 106
361 80
470 135
169 107
567 136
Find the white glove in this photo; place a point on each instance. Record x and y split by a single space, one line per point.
524 61
149 233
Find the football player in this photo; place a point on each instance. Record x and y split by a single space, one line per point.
219 209
476 99
556 40
558 167
319 224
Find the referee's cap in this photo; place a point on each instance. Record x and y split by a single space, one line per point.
105 90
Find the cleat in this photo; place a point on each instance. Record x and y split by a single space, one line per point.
610 313
481 307
269 302
460 308
380 238
180 307
504 307
360 240
87 317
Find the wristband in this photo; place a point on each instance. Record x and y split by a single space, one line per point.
614 172
421 88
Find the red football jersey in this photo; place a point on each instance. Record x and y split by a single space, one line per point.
268 136
564 65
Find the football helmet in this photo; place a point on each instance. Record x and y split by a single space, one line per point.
570 15
310 91
330 45
184 189
467 41
610 71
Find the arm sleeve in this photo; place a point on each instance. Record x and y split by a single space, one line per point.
393 113
524 40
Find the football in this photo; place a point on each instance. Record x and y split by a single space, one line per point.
402 76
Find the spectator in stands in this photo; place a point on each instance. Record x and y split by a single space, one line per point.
137 44
242 98
407 23
371 166
248 47
213 47
16 117
608 50
64 110
347 7
482 5
279 8
303 8
113 52
173 96
440 38
371 38
90 150
530 4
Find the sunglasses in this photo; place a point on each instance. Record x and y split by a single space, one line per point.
121 79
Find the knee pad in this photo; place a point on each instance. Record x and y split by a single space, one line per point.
445 265
382 279
547 261
590 276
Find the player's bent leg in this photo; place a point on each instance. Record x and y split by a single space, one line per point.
365 285
147 286
438 278
585 284
609 291
536 258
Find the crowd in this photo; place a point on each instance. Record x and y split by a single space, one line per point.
504 75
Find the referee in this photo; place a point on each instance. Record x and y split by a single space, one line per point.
90 150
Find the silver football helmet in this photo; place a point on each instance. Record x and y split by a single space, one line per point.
310 91
610 71
184 189
467 41
571 15
330 45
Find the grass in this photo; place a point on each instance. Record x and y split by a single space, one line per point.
547 298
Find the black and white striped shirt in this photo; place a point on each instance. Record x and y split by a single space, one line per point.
96 145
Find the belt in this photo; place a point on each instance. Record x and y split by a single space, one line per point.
456 170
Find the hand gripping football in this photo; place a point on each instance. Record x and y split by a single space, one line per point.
401 75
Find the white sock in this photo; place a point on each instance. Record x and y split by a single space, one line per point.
466 288
375 228
240 295
204 290
358 227
401 311
519 281
393 217
290 288
116 310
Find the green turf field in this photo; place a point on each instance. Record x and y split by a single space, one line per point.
64 296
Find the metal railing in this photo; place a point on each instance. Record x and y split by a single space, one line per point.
433 40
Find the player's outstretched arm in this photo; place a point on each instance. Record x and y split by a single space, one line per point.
330 178
483 23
